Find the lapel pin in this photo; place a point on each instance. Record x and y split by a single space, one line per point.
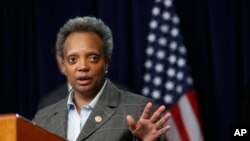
98 119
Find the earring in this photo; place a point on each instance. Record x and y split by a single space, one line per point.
106 70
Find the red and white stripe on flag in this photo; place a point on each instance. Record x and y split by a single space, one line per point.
185 121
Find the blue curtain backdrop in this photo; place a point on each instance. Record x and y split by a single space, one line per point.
216 34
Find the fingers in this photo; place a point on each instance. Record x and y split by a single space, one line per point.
160 123
131 122
147 110
157 114
149 128
164 129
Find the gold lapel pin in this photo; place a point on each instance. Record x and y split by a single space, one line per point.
98 119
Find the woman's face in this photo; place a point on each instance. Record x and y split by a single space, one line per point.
85 62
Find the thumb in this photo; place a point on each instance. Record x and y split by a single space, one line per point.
131 122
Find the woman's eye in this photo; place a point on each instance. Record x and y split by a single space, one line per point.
94 58
72 60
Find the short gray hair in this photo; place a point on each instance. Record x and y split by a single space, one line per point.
85 24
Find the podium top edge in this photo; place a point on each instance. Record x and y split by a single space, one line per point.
14 115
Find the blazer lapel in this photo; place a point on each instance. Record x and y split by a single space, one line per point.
59 122
102 111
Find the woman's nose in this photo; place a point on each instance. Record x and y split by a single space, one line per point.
83 65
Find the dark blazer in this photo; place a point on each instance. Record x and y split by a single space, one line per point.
113 106
53 97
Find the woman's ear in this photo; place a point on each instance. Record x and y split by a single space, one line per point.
60 64
107 65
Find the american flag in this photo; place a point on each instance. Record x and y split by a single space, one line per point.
167 77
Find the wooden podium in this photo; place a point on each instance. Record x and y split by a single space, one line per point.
13 127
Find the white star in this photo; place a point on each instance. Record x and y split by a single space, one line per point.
156 11
179 75
169 85
160 54
153 24
182 49
166 15
157 81
164 28
168 98
181 62
168 3
162 41
172 59
156 94
174 32
171 72
189 80
157 1
175 19
148 64
158 67
150 51
179 89
147 77
145 91
151 37
173 45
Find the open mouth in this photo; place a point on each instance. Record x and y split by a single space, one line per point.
84 80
